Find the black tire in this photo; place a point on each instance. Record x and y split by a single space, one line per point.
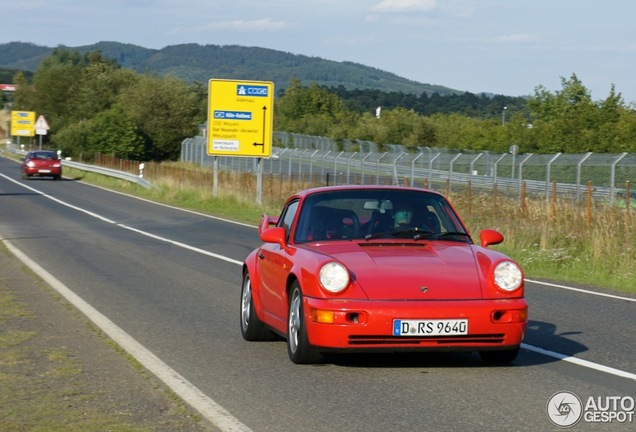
499 356
252 329
298 347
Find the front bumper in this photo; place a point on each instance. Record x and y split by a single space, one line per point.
368 325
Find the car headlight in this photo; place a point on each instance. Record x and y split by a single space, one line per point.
30 164
508 276
334 277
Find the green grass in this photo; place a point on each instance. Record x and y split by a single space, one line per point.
43 387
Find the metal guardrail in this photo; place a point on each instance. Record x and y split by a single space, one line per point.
109 172
96 169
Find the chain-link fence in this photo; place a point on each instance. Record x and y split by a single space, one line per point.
323 160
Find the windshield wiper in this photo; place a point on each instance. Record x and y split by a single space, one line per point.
447 234
415 233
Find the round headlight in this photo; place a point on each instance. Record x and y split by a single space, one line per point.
334 277
508 276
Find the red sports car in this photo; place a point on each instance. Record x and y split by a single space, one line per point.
42 163
380 268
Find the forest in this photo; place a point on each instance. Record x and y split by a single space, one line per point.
94 105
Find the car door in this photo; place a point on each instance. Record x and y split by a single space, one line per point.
274 264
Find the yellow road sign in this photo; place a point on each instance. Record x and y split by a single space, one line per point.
240 118
23 123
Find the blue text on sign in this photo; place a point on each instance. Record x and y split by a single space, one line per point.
232 115
251 90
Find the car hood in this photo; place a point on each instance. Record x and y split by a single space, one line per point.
411 270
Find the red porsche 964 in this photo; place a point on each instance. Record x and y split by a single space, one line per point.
380 268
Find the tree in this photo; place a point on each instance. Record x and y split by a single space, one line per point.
113 132
313 110
24 98
165 111
54 82
100 83
568 120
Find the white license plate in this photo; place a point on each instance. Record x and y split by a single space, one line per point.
44 171
444 327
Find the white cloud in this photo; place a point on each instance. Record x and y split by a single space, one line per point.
405 6
516 38
263 24
253 26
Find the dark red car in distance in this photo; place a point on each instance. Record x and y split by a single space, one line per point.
42 163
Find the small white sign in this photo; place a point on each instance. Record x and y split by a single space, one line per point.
41 123
225 145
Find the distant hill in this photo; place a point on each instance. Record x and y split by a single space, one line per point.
194 62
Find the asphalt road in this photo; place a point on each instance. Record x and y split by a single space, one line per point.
171 280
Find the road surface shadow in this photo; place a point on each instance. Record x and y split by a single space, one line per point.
538 334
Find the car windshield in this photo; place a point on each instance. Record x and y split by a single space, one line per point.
44 155
368 214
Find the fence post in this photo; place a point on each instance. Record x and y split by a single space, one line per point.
613 176
627 194
578 174
554 201
547 176
470 196
363 165
524 202
413 168
522 184
588 210
450 172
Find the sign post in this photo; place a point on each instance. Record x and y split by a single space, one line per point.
41 128
240 120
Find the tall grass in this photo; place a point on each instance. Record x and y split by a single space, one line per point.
561 240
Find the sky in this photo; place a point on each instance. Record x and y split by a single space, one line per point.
507 47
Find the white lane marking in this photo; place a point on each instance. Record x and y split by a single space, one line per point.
147 234
581 362
209 409
172 207
183 245
582 290
95 215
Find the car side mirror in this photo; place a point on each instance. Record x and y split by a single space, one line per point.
490 237
274 235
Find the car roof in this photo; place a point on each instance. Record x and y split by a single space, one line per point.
43 152
322 189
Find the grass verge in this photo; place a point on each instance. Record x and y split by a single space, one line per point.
59 373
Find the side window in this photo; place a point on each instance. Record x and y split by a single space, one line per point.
287 217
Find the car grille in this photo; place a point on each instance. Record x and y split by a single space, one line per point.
430 341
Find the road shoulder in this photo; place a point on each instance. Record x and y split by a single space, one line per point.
62 373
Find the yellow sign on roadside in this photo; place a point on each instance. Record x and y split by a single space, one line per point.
240 118
23 123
